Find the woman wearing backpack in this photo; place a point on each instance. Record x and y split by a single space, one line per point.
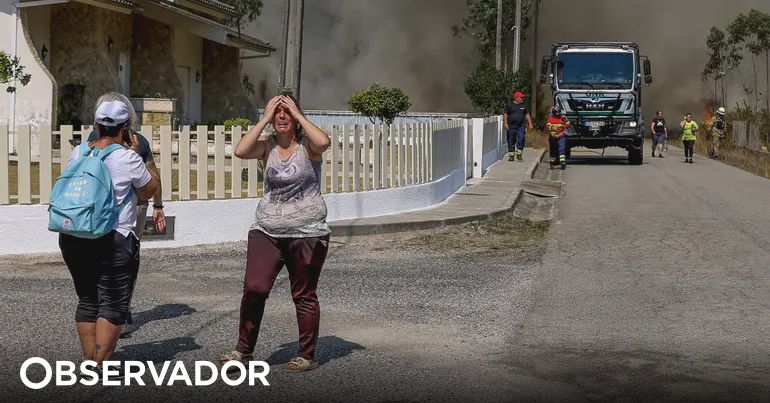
104 268
290 227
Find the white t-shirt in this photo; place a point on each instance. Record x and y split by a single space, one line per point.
126 169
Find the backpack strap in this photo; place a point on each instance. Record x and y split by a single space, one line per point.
103 153
85 149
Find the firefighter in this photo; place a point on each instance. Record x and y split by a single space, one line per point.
517 121
557 139
716 131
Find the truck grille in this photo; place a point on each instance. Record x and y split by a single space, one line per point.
587 105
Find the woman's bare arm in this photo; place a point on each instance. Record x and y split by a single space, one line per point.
252 145
317 140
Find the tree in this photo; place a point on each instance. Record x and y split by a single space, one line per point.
723 58
752 31
481 23
764 43
378 102
246 11
490 88
11 70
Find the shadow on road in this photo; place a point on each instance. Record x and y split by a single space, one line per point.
158 351
598 160
329 348
160 312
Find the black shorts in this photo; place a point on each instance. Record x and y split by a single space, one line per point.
658 138
104 272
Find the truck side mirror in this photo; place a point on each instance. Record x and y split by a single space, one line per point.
543 80
647 70
544 66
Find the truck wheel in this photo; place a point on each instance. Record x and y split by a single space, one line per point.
636 155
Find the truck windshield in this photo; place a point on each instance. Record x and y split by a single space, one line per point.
595 70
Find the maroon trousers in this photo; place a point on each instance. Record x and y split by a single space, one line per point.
266 256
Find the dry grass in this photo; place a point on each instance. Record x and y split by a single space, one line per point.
756 162
537 139
13 178
507 233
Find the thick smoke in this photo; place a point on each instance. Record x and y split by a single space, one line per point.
672 33
350 44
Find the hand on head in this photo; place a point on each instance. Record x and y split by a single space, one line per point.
291 106
272 105
282 102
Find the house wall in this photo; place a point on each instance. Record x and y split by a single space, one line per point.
153 70
38 23
188 54
31 104
223 94
80 55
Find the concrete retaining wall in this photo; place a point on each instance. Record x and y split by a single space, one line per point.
23 228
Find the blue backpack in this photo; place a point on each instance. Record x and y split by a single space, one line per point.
83 201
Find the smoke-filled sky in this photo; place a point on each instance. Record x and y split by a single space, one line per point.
671 32
349 44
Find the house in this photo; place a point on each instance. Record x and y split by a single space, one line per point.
178 56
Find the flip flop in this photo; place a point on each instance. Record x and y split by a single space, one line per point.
299 364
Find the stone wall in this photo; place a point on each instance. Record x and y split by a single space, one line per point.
153 69
223 94
80 56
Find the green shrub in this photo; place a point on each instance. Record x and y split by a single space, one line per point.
242 122
378 102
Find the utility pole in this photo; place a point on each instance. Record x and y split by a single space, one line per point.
291 62
499 38
517 38
535 64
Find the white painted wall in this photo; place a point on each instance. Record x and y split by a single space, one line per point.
23 228
31 104
188 53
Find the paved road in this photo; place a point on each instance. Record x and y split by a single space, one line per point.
652 284
655 285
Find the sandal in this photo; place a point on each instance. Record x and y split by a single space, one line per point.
234 356
299 364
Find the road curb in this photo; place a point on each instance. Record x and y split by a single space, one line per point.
353 230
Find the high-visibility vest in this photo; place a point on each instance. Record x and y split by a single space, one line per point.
557 125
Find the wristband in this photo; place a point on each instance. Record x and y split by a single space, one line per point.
157 207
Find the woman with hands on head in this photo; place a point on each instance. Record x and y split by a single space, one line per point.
290 226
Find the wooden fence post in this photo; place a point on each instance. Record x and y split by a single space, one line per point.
5 197
46 156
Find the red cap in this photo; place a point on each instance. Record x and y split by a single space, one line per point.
518 94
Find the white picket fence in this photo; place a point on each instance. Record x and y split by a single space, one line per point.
362 157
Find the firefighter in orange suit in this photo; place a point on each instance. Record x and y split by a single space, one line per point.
557 139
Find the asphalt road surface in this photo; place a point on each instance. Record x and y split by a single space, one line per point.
651 284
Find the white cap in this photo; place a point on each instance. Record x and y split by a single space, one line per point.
112 113
721 110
